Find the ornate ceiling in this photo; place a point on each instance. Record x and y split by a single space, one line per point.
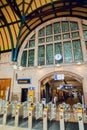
19 17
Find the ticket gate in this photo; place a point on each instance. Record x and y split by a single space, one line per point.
63 114
30 115
18 112
52 111
3 103
6 112
14 105
38 110
78 115
45 115
25 109
14 111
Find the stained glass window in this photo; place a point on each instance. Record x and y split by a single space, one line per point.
49 29
67 52
33 37
65 26
66 36
31 43
27 45
41 55
41 40
84 27
31 57
75 34
49 54
49 39
24 58
58 50
56 28
57 37
85 33
77 50
41 32
74 25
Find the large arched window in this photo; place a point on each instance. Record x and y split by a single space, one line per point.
57 37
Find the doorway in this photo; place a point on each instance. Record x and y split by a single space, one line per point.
69 89
24 94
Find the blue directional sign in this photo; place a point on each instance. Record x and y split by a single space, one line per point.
31 88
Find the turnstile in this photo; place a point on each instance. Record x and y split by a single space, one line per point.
63 114
78 115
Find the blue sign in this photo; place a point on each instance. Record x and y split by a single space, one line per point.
31 88
59 77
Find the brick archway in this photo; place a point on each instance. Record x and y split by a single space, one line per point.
50 76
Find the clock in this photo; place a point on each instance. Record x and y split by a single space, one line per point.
58 57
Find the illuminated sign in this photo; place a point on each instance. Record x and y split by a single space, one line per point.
59 77
31 88
24 81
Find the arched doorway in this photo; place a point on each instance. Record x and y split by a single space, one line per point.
68 88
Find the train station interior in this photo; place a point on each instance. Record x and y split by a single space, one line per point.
43 64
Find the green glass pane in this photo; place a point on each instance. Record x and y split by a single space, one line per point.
67 52
65 26
74 25
58 50
56 28
66 36
49 54
24 58
49 30
33 37
84 27
75 34
57 37
86 44
41 55
31 43
49 39
26 45
41 40
31 58
85 34
41 32
77 50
